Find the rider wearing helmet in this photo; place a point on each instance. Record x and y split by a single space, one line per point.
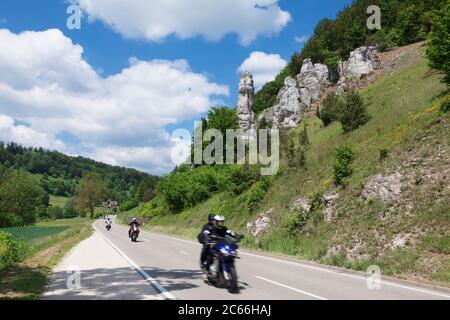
203 237
133 223
220 230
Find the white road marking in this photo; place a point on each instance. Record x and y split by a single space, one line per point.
291 288
146 276
323 269
184 252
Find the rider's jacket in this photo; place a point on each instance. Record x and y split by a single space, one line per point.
222 232
134 223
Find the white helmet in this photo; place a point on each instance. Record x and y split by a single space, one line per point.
220 221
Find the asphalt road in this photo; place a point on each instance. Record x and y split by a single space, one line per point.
160 267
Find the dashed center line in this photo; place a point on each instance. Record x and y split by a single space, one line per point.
291 288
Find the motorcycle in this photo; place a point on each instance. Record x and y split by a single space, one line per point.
134 233
108 226
222 270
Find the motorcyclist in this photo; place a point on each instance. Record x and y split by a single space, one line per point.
132 224
221 231
203 238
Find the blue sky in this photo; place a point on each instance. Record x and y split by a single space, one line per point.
108 52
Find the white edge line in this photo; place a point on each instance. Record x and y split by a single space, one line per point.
324 269
291 288
147 277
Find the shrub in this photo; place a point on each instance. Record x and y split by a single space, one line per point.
130 204
258 193
445 106
55 212
384 153
342 167
331 109
295 221
10 251
353 113
42 212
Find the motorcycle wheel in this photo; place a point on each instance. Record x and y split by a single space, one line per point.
233 281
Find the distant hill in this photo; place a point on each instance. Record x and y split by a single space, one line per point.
59 173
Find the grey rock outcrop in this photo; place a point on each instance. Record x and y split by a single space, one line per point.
287 112
261 225
362 62
312 80
385 188
300 204
244 107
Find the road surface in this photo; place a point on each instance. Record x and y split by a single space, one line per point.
160 267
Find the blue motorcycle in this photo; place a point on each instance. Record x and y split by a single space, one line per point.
222 270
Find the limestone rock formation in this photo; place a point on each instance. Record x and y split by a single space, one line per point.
385 188
362 62
312 80
288 110
261 225
244 107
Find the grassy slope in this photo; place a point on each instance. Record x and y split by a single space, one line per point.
403 107
58 201
49 242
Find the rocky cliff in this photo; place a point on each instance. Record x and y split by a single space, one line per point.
301 93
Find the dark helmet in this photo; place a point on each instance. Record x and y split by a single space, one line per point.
211 217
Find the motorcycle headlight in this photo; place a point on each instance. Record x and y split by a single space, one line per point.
224 252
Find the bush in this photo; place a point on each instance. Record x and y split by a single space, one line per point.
342 167
130 204
384 153
445 106
70 211
56 213
42 212
295 221
10 251
353 113
332 106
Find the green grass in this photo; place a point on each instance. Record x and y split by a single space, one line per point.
404 108
58 201
48 243
39 231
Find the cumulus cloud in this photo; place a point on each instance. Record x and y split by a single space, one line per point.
213 19
10 131
264 67
45 81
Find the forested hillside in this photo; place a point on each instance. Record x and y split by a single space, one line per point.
31 177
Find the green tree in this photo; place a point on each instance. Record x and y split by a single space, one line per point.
353 113
438 50
91 192
222 118
19 197
332 106
146 190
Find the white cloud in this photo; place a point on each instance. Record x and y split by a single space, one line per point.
301 39
155 20
264 67
28 137
45 81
